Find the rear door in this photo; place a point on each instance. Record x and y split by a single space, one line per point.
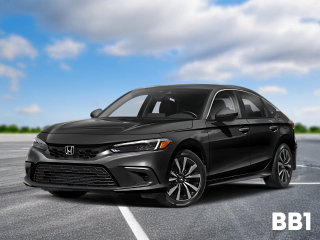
264 130
229 141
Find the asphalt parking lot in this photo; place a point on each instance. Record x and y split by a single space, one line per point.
233 211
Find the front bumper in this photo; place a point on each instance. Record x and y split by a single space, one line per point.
135 172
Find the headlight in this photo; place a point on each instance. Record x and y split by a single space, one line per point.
143 145
38 143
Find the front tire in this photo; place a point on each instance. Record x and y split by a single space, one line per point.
281 169
187 180
67 194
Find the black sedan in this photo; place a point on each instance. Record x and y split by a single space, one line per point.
166 143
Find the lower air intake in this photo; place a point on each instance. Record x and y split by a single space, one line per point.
72 175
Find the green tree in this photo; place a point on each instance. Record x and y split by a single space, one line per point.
24 129
314 129
13 129
299 128
3 128
36 130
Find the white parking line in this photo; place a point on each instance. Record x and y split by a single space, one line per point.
262 183
132 222
306 183
302 166
308 166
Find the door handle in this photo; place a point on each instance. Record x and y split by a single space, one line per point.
273 128
244 129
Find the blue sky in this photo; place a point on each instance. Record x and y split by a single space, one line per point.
59 60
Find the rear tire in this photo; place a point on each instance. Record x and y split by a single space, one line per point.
281 169
187 180
67 194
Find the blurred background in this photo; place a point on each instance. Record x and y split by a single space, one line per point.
61 59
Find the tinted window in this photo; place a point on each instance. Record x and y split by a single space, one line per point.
161 103
225 99
271 111
252 105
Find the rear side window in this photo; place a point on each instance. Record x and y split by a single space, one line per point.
252 105
225 99
271 111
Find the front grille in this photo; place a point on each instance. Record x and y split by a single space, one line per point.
72 175
80 151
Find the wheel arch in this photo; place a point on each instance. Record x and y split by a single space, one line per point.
194 146
287 139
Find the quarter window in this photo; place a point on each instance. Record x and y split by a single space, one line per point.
271 111
225 99
252 105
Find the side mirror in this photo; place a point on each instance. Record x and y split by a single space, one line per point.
226 114
95 113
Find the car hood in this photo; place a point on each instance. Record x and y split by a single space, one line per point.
101 126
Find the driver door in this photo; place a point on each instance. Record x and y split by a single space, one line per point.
229 141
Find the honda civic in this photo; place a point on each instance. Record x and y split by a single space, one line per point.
166 143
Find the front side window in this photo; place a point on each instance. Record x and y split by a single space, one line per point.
159 103
156 108
252 105
225 99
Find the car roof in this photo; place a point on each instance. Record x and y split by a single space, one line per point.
215 87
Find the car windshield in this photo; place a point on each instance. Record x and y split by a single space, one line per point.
159 103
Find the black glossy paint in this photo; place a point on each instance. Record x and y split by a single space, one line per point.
231 150
263 141
99 126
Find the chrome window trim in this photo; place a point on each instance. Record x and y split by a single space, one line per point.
238 103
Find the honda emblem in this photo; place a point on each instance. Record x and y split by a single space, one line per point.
69 150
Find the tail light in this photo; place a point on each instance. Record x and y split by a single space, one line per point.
291 123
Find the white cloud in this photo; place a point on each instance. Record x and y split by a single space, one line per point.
11 73
65 67
32 109
258 38
317 92
309 111
16 46
268 90
21 65
8 97
66 48
309 116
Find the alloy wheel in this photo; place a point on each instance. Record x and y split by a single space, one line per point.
284 168
184 180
